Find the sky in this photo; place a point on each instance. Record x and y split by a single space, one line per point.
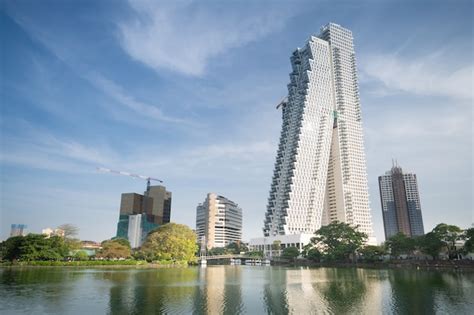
185 91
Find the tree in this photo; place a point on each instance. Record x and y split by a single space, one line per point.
122 241
290 252
10 249
469 244
70 230
276 245
313 254
236 248
114 249
400 244
430 244
448 234
338 241
34 247
372 253
216 251
81 255
255 254
171 241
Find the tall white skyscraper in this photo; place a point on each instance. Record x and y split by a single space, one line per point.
320 171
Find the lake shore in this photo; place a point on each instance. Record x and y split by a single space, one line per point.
459 265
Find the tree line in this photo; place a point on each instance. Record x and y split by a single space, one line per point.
343 243
170 242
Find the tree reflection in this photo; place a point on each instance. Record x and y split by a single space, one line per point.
428 292
344 291
274 292
154 291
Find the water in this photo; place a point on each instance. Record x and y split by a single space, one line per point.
234 290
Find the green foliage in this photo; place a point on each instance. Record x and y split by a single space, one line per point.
171 241
217 251
430 244
114 249
81 255
469 236
313 254
400 244
290 252
122 241
10 249
372 253
236 248
448 234
255 254
231 249
276 245
34 247
83 263
338 241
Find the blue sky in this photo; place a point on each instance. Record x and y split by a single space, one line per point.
186 91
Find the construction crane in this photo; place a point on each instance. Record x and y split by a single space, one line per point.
283 102
147 178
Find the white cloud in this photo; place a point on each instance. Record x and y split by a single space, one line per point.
183 36
428 75
118 94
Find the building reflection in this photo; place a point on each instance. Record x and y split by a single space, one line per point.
219 291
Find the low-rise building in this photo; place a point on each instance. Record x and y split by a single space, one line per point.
268 246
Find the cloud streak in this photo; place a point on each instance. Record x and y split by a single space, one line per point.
427 75
183 36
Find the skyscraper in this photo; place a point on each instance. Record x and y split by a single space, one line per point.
320 170
218 221
400 200
140 214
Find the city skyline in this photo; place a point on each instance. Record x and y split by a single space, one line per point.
103 84
320 171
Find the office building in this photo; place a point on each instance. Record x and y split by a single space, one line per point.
18 230
400 200
218 221
140 214
320 171
161 209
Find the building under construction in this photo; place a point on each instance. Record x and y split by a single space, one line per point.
139 214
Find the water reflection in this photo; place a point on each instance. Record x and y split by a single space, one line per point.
233 290
430 292
35 289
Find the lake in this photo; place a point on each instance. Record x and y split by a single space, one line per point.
234 290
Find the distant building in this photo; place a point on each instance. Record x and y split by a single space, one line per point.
400 200
161 204
265 244
218 221
140 214
18 230
52 232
